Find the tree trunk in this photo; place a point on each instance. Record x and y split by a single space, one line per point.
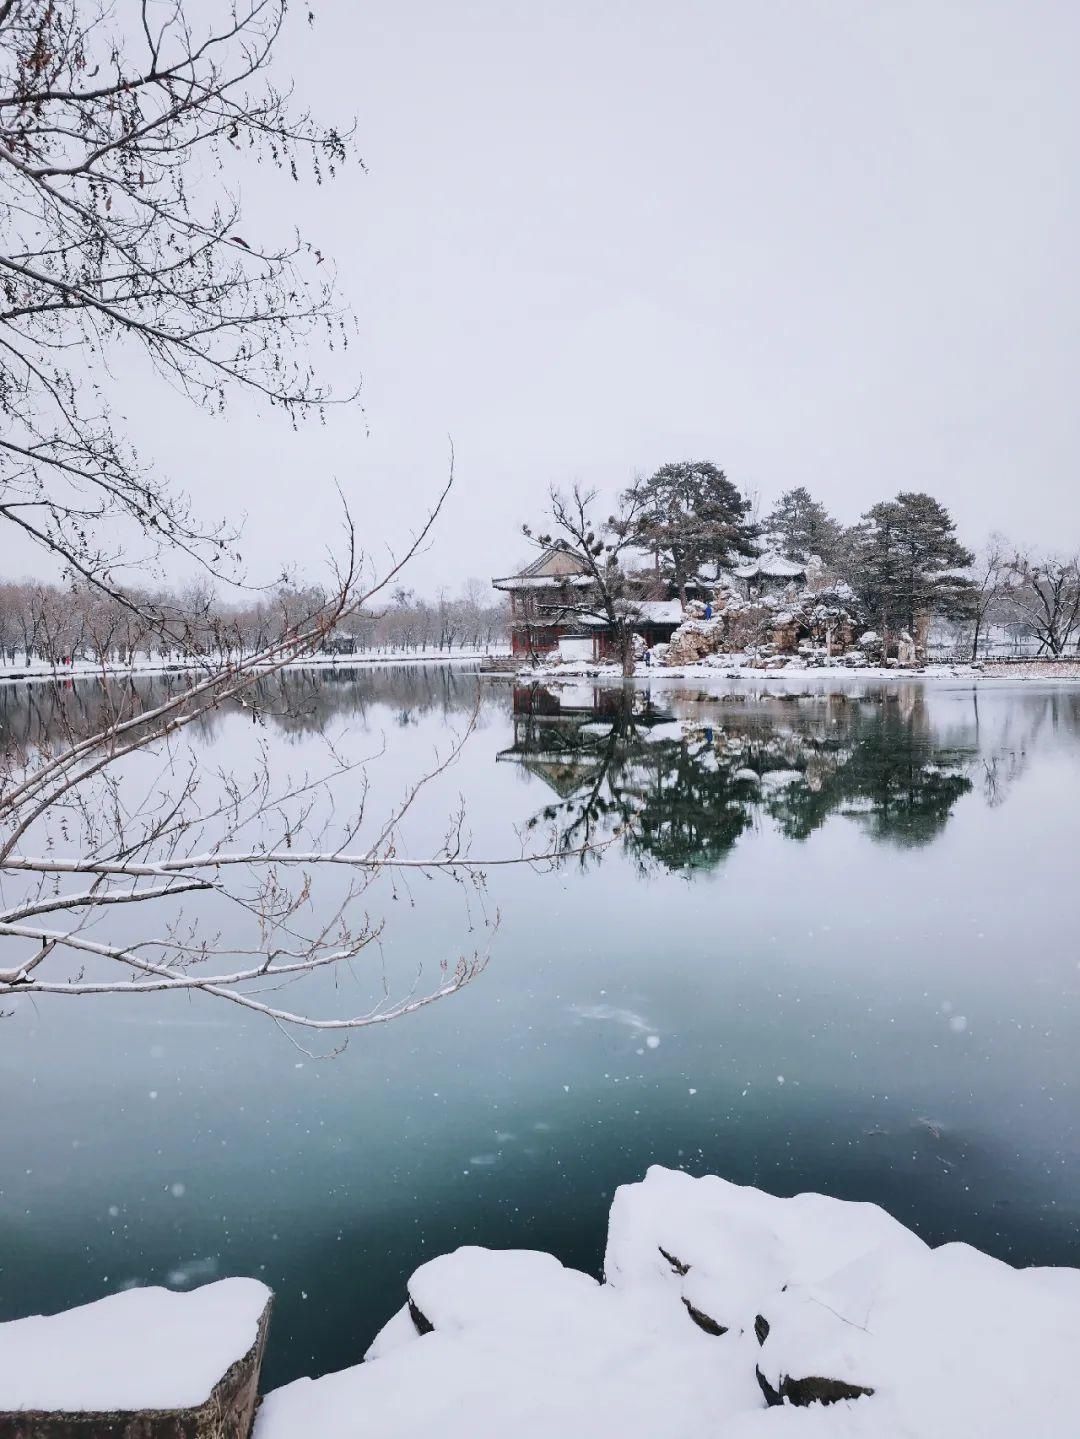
626 653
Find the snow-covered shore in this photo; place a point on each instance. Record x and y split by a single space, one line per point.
736 667
724 1312
87 669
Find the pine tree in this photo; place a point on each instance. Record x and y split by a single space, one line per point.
688 514
904 562
800 526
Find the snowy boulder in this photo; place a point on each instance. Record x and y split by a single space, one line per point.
730 1252
724 1312
948 1341
142 1364
521 1348
694 640
473 1285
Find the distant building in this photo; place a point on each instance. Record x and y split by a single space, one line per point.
338 643
554 611
770 572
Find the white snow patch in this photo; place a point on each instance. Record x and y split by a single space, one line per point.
781 778
525 1348
955 1345
661 733
139 1349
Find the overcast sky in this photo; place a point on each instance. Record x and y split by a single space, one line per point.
820 242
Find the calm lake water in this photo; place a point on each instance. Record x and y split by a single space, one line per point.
833 948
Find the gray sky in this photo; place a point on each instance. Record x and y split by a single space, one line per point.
828 242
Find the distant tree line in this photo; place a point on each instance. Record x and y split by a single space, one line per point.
57 624
906 566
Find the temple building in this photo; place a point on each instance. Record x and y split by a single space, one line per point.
555 611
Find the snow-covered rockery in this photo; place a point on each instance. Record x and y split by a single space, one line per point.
724 1312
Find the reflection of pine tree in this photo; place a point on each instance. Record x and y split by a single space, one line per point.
904 784
691 812
683 803
892 774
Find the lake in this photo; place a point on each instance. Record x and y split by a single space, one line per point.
827 941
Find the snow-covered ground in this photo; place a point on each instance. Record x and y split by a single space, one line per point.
140 1349
736 667
719 1307
87 669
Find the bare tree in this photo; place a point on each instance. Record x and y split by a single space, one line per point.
1044 593
991 573
120 234
120 231
598 545
79 838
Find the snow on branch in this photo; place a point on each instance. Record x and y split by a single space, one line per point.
239 870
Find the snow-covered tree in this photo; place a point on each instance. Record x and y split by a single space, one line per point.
800 527
1044 594
688 514
598 545
125 133
906 564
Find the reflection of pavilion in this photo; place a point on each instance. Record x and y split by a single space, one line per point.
565 736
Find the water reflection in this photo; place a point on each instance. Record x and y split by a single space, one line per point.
301 702
682 787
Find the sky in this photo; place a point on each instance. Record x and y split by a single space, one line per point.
818 242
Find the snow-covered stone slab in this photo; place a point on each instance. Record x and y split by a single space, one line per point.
143 1364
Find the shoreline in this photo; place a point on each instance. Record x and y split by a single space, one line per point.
1007 672
1066 672
42 673
716 1303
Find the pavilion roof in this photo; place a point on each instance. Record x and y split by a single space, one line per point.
771 565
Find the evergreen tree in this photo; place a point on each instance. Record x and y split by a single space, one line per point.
689 514
904 558
799 526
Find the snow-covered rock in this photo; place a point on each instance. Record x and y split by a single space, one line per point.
950 1341
473 1286
732 1249
746 776
149 1350
716 1299
555 1354
695 639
